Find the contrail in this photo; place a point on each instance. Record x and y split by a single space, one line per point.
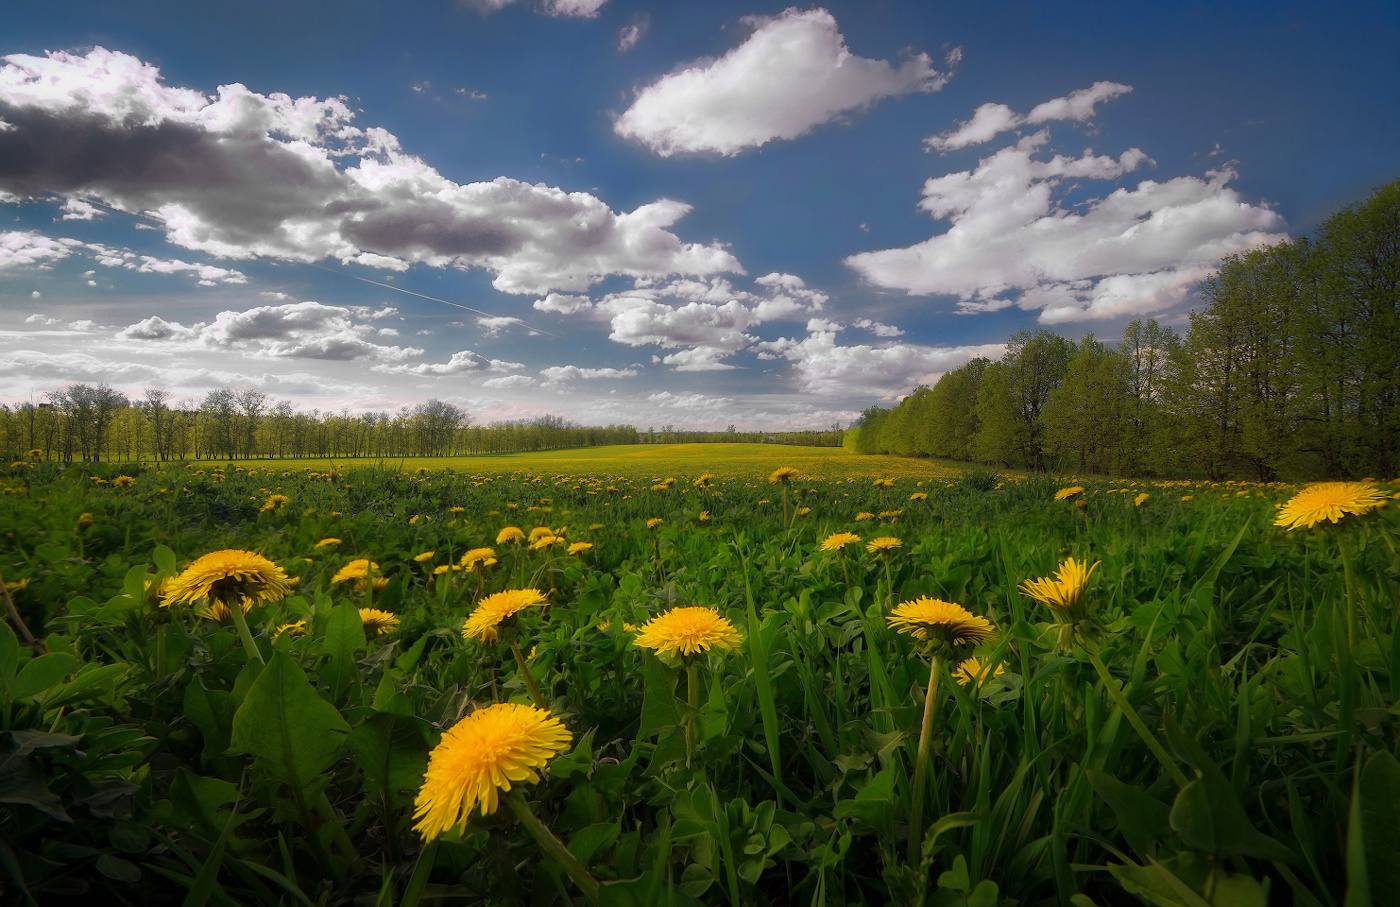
389 286
529 327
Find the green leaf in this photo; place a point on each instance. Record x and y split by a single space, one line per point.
1142 818
592 839
286 726
39 674
660 711
1209 818
343 637
9 654
392 753
164 559
1373 832
212 712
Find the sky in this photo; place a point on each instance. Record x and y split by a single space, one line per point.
687 214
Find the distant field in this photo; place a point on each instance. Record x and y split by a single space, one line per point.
721 459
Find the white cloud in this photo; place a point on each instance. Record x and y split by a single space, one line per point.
1132 251
632 32
77 209
669 400
878 328
792 74
990 120
563 304
822 366
495 325
299 330
460 363
579 9
26 248
35 294
509 381
206 275
565 375
243 174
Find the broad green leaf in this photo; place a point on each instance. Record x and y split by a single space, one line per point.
286 726
41 673
1142 818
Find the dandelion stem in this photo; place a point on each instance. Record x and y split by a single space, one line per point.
235 610
552 846
1115 692
525 672
916 806
692 699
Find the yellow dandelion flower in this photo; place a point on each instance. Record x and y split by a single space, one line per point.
273 503
475 556
654 522
295 628
919 496
782 474
1064 494
1328 501
883 544
544 542
1063 590
688 630
1141 499
510 534
358 569
494 610
424 557
864 515
838 540
379 622
945 622
230 575
976 672
84 520
219 612
123 481
580 547
479 757
703 480
884 483
1188 497
704 516
803 511
540 532
327 543
18 584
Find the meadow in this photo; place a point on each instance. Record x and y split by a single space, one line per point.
702 674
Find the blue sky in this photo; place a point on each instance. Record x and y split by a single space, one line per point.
697 214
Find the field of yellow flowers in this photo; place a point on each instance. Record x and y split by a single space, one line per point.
245 684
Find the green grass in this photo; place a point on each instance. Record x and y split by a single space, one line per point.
656 459
1220 730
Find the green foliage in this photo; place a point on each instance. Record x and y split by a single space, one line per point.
144 757
1290 368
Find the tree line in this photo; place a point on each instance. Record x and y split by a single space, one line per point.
1289 368
84 422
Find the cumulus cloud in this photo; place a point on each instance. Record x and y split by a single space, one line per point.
243 174
579 9
26 248
992 119
507 382
791 75
462 362
1009 241
298 330
822 366
206 275
77 209
563 304
567 374
703 322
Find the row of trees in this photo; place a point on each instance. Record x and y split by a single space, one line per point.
1289 369
86 422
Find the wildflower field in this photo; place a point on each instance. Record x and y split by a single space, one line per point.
690 677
